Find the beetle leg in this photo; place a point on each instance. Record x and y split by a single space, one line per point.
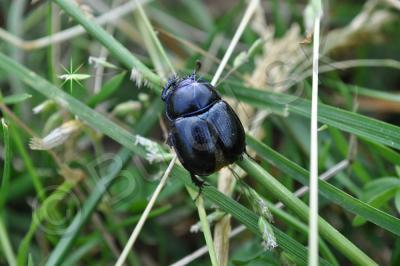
198 183
238 180
248 155
169 140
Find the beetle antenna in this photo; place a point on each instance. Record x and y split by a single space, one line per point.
198 65
199 183
197 69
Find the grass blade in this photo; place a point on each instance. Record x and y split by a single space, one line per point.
145 214
330 234
114 47
327 190
107 90
359 125
16 98
316 6
60 251
5 182
6 245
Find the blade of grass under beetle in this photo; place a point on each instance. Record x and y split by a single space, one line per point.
125 138
327 190
247 218
330 234
302 227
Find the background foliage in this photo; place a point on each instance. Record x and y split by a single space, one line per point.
83 132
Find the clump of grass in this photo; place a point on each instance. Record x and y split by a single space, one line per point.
357 146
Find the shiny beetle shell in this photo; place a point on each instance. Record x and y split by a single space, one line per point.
204 131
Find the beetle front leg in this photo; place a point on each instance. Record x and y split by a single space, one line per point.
198 183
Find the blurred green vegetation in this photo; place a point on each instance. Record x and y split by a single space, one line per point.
77 200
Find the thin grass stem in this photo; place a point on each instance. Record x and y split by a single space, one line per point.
5 182
154 37
313 214
243 23
204 226
145 214
6 245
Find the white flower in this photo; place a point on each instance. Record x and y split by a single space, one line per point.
56 137
269 240
137 76
154 154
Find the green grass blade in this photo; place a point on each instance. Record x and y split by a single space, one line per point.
200 14
377 193
6 245
30 168
16 98
72 232
347 248
359 125
107 90
327 190
80 252
5 182
300 226
382 95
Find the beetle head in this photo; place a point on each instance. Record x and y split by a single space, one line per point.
175 80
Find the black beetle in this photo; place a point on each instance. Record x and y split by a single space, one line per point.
205 132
